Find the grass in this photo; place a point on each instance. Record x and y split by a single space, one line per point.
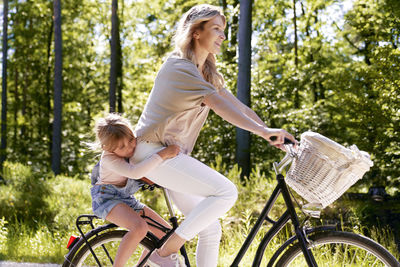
25 245
31 239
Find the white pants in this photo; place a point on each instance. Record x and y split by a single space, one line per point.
202 193
209 238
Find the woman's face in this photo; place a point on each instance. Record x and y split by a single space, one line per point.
125 148
211 36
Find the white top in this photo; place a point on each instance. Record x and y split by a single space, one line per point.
174 113
115 170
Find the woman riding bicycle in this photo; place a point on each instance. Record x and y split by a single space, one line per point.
187 86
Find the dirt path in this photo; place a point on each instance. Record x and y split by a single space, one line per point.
23 264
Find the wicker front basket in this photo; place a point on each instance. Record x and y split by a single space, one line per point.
324 169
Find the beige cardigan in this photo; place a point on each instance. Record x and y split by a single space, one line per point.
174 113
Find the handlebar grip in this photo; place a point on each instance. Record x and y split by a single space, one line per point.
287 141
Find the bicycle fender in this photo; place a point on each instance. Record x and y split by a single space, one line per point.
293 238
88 236
68 257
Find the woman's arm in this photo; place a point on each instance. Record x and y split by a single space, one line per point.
242 107
230 110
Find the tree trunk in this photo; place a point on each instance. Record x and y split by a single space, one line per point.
56 147
296 56
48 87
4 87
17 105
243 84
119 65
114 55
24 108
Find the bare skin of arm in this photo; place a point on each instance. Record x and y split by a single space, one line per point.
228 107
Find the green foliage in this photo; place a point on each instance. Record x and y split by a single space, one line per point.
343 81
67 197
40 213
22 198
3 234
26 245
378 220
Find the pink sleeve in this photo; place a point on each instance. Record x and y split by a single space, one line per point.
133 171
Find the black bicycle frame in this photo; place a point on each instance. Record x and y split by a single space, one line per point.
89 221
174 222
289 214
96 231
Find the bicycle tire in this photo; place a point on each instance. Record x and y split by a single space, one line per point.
337 248
110 240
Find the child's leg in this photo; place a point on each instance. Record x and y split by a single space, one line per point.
157 232
153 215
124 216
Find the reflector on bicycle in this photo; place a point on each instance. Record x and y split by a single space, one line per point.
72 240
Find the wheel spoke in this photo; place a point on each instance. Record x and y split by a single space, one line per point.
353 259
345 254
105 247
108 254
340 249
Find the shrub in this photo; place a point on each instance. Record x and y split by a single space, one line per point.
22 196
3 234
69 198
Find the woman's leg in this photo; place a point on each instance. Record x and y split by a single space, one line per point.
124 216
184 174
187 175
209 238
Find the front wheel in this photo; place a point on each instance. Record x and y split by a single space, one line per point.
105 247
334 248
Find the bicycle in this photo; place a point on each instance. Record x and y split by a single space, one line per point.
309 246
100 244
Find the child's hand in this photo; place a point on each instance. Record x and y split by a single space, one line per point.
169 152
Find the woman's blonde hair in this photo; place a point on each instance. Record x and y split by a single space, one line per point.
112 129
193 20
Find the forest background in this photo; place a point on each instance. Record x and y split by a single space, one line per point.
332 67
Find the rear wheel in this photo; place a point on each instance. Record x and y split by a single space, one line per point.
340 249
105 247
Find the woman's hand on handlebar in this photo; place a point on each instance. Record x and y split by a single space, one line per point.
278 137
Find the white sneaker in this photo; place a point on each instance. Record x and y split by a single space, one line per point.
173 260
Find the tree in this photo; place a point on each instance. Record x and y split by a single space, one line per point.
114 54
243 84
4 87
367 102
296 54
340 94
56 145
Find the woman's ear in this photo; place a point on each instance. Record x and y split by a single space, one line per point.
196 35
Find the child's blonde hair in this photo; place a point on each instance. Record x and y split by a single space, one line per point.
111 129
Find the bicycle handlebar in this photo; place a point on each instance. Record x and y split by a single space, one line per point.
286 141
291 153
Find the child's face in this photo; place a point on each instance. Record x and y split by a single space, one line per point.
126 148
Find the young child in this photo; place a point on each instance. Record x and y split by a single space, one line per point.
112 192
